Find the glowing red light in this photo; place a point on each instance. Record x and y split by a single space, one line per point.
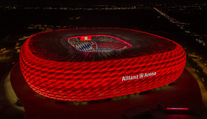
85 38
85 81
174 108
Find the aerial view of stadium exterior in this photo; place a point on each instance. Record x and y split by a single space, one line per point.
99 63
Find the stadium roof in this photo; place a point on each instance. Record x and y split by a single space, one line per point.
54 45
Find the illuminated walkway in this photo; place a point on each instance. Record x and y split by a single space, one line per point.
10 94
200 64
202 88
9 108
197 58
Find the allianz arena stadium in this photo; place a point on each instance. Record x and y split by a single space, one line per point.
99 63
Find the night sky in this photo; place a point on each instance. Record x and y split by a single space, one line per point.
64 2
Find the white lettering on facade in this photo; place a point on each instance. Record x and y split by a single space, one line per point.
139 76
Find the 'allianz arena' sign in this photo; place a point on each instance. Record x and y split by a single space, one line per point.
139 76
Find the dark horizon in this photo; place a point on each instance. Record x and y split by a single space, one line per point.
83 2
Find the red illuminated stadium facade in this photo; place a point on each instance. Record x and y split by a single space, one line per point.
99 63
